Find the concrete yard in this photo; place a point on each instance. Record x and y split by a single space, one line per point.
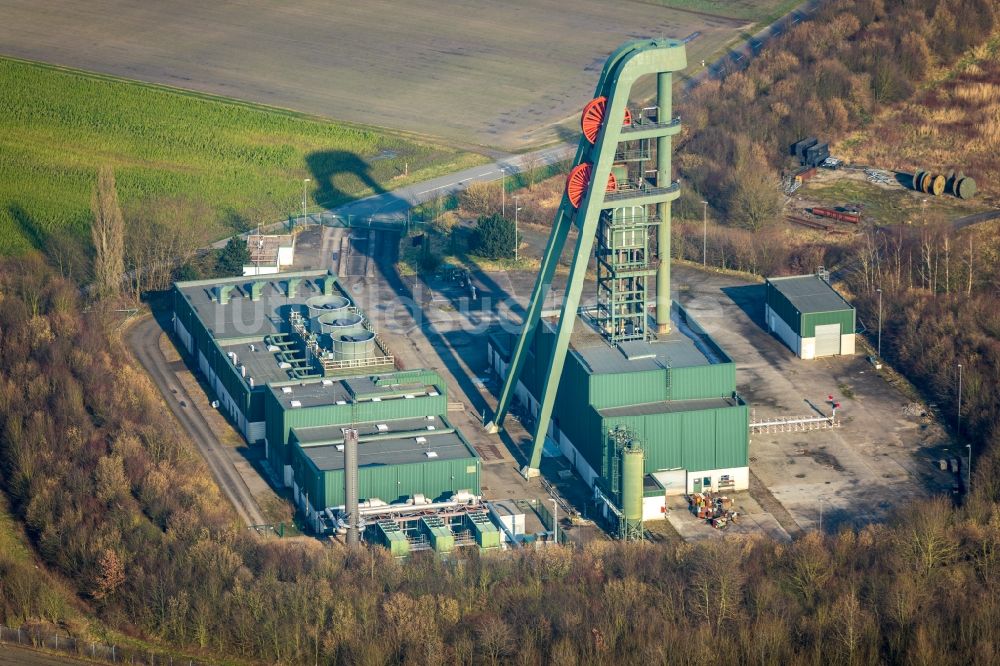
494 74
855 474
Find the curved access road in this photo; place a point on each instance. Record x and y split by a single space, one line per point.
143 339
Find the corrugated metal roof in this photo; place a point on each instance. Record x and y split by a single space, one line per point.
328 433
672 406
382 452
333 391
810 293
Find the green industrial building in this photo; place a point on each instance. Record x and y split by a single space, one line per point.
633 392
676 395
809 316
293 362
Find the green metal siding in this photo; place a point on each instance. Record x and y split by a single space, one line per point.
664 442
396 482
843 317
732 437
280 421
619 390
699 440
784 309
703 381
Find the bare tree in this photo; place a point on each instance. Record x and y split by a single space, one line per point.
108 234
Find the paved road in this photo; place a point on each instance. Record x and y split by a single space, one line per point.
390 206
143 340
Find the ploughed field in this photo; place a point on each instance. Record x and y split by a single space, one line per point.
490 73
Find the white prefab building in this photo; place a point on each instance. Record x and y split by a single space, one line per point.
809 316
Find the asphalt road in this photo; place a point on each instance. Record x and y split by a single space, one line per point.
393 205
143 340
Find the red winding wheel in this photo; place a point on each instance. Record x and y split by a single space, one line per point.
579 181
593 117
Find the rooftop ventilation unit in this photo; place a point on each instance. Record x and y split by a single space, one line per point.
431 454
433 394
327 382
376 399
431 428
341 402
295 403
409 396
421 440
286 389
382 427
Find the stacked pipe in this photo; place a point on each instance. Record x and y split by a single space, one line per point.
955 183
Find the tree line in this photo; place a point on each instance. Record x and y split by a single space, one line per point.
117 501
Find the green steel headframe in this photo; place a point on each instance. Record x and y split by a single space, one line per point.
624 258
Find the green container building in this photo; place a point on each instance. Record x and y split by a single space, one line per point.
440 535
809 316
389 535
486 533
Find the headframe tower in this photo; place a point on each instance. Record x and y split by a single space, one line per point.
628 153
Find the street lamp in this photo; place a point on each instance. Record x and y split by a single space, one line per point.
503 192
879 354
304 182
555 521
958 415
968 482
704 235
516 208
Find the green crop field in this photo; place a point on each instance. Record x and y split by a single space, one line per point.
57 126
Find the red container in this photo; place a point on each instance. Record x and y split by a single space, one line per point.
853 218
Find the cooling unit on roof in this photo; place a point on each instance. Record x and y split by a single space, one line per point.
296 403
286 389
431 454
421 440
382 427
433 394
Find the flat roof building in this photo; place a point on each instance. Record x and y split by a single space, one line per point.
809 316
676 394
293 360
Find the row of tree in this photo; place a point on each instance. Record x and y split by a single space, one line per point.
118 501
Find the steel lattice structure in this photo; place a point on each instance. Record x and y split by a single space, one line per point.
616 146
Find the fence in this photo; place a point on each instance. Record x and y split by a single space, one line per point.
112 654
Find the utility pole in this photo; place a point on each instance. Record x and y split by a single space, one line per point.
958 414
503 192
820 514
516 208
879 354
555 521
704 235
304 181
968 482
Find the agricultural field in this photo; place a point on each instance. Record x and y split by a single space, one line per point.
956 113
495 74
234 161
759 11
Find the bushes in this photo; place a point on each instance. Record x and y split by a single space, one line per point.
493 237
